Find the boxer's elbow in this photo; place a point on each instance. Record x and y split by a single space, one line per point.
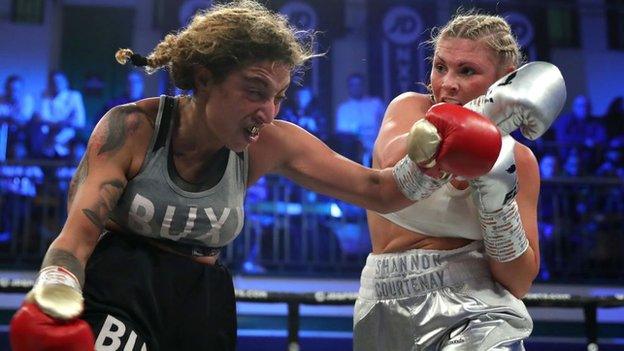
517 276
518 287
521 291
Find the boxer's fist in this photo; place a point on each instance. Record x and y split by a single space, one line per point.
48 319
454 140
529 98
33 330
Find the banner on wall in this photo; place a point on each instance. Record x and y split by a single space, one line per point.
315 16
172 15
398 57
307 15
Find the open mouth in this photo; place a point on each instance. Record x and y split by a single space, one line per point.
253 131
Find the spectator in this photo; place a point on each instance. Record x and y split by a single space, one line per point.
549 166
134 91
613 165
62 114
305 112
19 178
258 222
580 127
611 209
18 186
16 106
573 165
16 110
576 206
614 118
581 198
64 173
360 115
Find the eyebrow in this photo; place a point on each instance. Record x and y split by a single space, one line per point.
263 82
464 63
460 63
256 80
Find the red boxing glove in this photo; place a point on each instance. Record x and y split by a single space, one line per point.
453 139
33 330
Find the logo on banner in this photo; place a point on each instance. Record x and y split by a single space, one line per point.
300 14
190 8
402 28
402 25
304 17
522 27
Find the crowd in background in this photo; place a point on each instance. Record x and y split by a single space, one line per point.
43 139
582 144
55 126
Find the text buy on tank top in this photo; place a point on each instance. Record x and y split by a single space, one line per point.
155 206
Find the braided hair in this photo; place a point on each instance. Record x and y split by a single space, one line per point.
492 30
224 38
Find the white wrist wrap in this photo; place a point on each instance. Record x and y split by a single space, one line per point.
58 275
504 236
413 183
57 292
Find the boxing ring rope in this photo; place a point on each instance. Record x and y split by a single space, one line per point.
589 304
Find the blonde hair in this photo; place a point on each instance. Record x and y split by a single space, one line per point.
225 38
492 30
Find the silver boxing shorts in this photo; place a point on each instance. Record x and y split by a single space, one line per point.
436 300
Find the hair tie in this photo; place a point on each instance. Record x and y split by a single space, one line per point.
138 60
123 55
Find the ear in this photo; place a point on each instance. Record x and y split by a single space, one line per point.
202 77
503 71
509 69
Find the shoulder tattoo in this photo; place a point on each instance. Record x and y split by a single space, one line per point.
118 128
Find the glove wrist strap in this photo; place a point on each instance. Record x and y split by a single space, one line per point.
413 183
504 237
57 275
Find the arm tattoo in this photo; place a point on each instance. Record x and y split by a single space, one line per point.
57 257
117 129
110 192
78 178
115 133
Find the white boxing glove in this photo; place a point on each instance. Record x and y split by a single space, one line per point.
529 98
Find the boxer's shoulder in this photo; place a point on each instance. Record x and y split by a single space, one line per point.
412 101
411 104
411 97
124 133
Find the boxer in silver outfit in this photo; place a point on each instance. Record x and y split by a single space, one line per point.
448 272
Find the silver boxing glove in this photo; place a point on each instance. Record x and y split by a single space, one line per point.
495 197
529 98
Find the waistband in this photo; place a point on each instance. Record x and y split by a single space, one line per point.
184 249
417 272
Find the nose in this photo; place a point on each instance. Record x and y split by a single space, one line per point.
450 84
268 111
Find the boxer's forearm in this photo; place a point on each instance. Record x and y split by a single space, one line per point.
516 276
